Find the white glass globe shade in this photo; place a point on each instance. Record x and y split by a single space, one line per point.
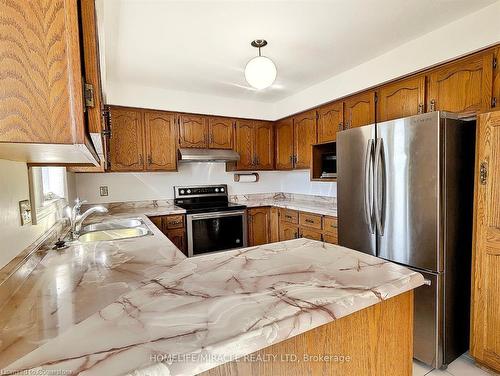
260 72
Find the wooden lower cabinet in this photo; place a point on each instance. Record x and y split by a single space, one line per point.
288 231
485 313
259 222
173 226
275 236
310 234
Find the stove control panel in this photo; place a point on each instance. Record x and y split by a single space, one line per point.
207 190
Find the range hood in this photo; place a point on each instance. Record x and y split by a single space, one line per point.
207 155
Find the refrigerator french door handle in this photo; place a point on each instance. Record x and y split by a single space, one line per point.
379 207
368 186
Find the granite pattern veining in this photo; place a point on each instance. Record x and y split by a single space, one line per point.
67 286
313 204
215 307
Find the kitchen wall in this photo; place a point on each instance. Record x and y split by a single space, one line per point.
156 185
14 187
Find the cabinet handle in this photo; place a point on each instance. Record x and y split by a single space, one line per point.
433 105
141 159
347 124
420 108
150 159
340 126
291 159
309 220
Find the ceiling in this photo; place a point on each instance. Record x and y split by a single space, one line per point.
203 46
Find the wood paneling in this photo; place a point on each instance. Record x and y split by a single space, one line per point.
244 145
378 341
485 329
126 143
178 237
330 121
220 133
259 222
359 110
264 145
161 141
304 136
401 98
284 144
193 131
463 87
40 73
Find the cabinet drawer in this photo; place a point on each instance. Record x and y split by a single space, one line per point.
290 216
173 221
330 238
310 234
310 220
330 224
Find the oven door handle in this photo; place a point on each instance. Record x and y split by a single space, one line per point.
216 215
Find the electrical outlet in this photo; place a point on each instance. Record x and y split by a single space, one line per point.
103 190
25 211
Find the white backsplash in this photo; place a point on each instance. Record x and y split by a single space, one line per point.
128 186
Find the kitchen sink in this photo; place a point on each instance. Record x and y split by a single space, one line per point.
114 230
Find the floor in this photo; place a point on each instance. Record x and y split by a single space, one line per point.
463 366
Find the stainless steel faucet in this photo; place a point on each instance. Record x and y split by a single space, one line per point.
77 219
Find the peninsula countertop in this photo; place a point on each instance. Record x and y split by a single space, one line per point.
200 312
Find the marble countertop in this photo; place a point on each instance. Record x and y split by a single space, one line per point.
316 206
70 285
199 312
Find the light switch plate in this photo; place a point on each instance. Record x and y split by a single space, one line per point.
103 190
25 211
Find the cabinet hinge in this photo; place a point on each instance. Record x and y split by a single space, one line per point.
495 62
106 113
494 102
88 95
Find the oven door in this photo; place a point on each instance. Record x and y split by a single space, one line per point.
218 231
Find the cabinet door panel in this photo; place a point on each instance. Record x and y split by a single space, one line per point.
310 234
495 100
359 110
245 139
304 136
264 145
161 141
402 98
330 121
288 231
126 142
485 344
274 224
221 133
40 72
258 226
284 144
178 237
193 131
463 87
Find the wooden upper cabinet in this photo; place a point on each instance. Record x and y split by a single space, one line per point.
495 100
259 231
485 318
401 98
359 110
41 83
284 144
193 131
245 139
220 133
304 136
161 141
126 142
463 87
330 121
264 145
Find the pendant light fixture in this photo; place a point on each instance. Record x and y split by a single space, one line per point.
260 72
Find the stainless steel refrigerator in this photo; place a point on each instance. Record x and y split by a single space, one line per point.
405 194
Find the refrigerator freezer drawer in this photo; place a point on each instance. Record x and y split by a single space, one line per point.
427 328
